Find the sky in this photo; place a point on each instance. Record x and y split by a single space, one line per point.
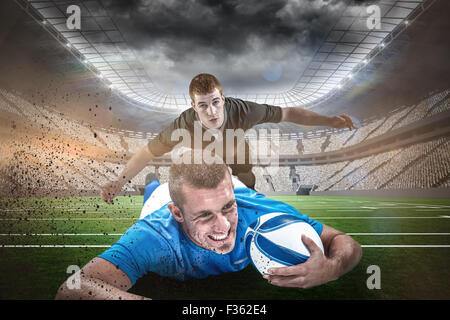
251 46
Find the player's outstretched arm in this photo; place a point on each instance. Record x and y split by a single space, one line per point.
342 254
98 280
135 165
310 118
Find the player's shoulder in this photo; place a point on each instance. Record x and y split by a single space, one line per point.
161 216
157 227
186 119
250 200
239 112
244 107
236 103
189 112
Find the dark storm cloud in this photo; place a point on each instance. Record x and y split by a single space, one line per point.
191 36
223 26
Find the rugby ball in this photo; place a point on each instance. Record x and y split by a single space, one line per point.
274 240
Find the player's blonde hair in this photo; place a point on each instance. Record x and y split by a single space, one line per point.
203 83
200 176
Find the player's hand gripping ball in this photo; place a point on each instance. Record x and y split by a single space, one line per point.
274 240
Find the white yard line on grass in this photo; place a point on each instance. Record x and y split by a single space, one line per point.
401 234
432 209
405 245
338 218
326 208
81 208
63 219
55 246
119 234
359 209
112 219
423 204
107 246
58 234
377 208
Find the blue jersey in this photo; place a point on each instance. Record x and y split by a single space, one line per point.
157 243
149 188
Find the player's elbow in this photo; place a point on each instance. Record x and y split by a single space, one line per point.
146 154
298 116
286 114
358 252
355 249
60 293
355 253
64 292
71 289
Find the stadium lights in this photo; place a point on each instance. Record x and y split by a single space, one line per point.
307 97
350 76
365 61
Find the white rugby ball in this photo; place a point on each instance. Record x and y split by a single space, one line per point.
274 240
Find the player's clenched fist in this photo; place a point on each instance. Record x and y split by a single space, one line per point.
110 190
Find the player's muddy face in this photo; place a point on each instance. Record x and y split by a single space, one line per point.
209 108
210 216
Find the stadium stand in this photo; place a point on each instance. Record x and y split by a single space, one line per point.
113 141
53 154
423 165
135 144
400 117
5 105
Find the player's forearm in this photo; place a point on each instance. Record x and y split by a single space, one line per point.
344 254
135 165
305 117
94 289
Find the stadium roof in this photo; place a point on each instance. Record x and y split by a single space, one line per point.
348 47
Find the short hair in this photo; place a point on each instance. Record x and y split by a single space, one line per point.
201 176
203 83
150 177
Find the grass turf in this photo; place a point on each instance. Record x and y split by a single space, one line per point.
406 272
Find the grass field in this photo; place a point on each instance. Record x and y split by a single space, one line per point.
409 239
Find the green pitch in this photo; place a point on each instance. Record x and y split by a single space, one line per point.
408 239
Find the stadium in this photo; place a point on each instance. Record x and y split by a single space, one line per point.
76 104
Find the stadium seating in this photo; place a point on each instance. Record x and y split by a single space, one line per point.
402 116
44 160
